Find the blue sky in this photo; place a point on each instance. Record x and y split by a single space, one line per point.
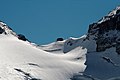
42 21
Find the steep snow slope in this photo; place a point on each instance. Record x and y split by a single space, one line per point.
19 60
103 65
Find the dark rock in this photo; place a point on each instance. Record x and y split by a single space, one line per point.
118 49
92 28
59 39
118 46
69 43
22 37
1 30
100 31
118 11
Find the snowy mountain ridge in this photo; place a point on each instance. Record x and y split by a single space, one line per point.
103 48
111 14
94 56
22 61
5 29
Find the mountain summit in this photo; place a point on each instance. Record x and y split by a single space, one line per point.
94 56
4 29
106 31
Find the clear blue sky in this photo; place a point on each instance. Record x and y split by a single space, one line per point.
42 21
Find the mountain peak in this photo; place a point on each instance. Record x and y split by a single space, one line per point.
4 29
116 11
106 31
108 22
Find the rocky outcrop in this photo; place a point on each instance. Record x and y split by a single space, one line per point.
1 30
22 37
106 31
6 30
59 39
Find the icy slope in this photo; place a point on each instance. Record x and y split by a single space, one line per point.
19 60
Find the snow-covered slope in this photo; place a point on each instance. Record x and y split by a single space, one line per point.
94 56
55 47
20 60
103 48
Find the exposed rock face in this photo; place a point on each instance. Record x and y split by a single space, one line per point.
22 37
1 30
107 31
59 39
4 29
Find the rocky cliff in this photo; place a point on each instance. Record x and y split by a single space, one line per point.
106 31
